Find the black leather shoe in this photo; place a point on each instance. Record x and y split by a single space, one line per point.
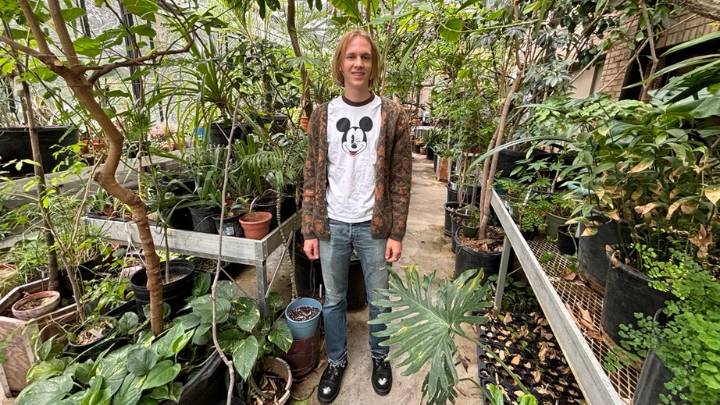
381 376
330 382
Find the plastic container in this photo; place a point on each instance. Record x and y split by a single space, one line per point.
593 263
467 258
202 219
174 293
307 328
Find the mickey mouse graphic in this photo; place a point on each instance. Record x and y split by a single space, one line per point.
354 139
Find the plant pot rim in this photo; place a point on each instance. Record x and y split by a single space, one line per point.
288 377
470 250
26 314
621 266
311 302
104 336
265 217
187 272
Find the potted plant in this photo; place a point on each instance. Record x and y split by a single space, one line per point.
177 284
233 212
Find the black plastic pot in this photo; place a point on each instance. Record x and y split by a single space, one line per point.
628 292
508 160
206 386
593 263
430 153
356 292
15 144
651 383
219 132
552 223
231 225
304 355
308 274
467 258
452 194
181 218
174 293
450 208
566 240
90 350
202 219
268 204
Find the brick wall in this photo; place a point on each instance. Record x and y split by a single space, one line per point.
684 27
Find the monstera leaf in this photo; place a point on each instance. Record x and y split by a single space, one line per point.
423 328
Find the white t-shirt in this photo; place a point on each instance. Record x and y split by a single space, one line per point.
352 134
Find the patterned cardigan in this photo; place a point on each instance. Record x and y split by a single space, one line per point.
393 171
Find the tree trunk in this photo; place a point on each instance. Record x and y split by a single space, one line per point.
53 271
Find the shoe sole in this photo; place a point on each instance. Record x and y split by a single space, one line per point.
382 392
322 401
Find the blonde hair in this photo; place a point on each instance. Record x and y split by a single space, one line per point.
340 53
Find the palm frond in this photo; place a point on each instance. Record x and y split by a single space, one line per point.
423 327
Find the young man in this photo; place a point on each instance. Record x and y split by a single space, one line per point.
356 196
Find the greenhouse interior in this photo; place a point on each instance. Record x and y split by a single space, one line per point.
359 202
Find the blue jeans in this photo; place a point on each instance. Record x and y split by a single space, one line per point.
335 261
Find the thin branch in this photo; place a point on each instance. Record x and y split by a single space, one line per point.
62 32
34 25
105 69
653 56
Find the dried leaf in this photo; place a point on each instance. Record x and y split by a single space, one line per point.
570 276
641 166
645 209
518 393
502 355
713 194
507 319
672 208
515 360
702 240
614 215
536 376
688 208
586 315
465 362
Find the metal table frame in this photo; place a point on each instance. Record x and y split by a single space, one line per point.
235 250
594 382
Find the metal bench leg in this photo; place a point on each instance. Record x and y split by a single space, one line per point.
504 262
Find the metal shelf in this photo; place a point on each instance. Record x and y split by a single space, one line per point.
235 250
564 303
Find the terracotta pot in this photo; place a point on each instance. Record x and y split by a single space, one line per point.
256 224
53 301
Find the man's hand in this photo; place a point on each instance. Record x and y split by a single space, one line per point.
311 249
393 248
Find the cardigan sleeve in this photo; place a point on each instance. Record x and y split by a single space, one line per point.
400 176
310 177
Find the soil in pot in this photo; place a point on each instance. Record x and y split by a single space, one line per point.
36 304
303 313
93 332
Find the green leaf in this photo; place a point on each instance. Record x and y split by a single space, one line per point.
45 370
91 47
248 314
226 290
201 284
451 29
281 336
141 360
46 392
245 355
709 107
96 394
275 302
145 30
163 373
348 7
130 391
527 399
127 322
72 13
145 9
113 368
181 341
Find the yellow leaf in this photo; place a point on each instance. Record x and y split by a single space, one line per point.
640 166
688 208
614 215
713 194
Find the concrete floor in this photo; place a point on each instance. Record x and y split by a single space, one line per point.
424 245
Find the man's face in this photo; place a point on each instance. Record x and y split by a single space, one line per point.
357 64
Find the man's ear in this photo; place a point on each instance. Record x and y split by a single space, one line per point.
343 125
366 124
